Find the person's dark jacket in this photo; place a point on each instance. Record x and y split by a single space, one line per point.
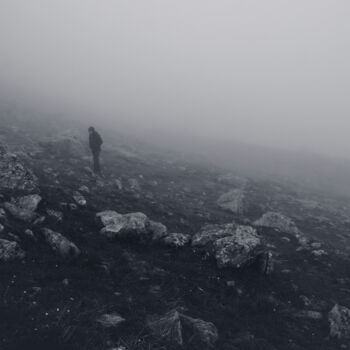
95 141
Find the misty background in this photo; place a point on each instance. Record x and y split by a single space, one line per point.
238 81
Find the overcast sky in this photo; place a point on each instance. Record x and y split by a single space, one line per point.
270 72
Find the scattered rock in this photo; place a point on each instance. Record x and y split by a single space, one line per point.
319 252
110 320
134 185
179 329
23 208
2 214
84 189
55 214
159 230
14 175
309 314
10 250
176 240
233 201
279 222
339 319
118 184
202 332
39 221
60 244
209 233
30 234
79 198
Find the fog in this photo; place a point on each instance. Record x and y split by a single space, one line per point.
274 73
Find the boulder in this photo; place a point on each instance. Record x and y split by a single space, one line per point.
133 225
239 249
233 201
10 250
339 319
60 244
23 208
14 175
278 222
232 245
179 329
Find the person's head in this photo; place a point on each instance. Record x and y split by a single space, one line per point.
91 129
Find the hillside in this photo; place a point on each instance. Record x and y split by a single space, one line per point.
210 259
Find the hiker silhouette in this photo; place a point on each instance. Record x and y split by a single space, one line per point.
95 142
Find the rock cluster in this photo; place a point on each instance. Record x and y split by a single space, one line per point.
139 227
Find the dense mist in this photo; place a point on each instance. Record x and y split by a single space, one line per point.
272 73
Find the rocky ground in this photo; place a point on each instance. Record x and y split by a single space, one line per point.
163 252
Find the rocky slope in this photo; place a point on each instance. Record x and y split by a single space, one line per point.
163 252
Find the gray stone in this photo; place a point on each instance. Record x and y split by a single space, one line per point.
179 329
279 222
132 225
55 214
210 233
2 214
60 244
339 319
233 201
176 240
23 208
14 175
10 250
79 199
203 332
159 231
309 314
238 249
110 320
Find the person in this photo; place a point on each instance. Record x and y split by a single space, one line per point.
95 142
